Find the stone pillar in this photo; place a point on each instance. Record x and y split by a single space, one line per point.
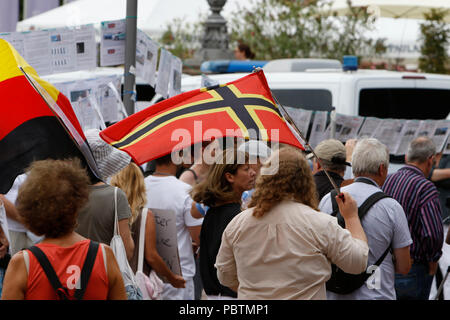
215 40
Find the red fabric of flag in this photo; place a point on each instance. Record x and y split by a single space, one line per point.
243 108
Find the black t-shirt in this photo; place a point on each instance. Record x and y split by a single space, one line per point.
214 223
323 184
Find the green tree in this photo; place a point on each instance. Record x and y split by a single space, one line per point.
434 38
182 39
287 29
304 28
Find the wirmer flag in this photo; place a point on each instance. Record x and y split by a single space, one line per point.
243 108
35 121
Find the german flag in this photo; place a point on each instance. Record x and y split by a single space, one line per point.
35 120
243 108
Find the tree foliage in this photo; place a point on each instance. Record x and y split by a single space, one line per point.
288 29
304 28
434 38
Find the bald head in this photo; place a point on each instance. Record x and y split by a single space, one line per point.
420 150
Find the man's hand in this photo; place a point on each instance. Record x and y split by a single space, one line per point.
432 268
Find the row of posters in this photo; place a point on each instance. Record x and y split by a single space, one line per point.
166 81
396 134
95 101
56 50
71 49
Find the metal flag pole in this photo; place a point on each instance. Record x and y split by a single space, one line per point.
130 57
289 119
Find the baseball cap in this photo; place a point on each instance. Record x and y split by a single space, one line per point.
331 150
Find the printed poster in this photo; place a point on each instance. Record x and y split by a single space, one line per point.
112 43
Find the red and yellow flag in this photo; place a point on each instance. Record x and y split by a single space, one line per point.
243 108
32 127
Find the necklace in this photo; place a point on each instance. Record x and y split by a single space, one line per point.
162 173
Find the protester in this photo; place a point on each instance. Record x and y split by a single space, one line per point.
420 201
440 175
281 248
20 237
332 155
228 178
193 175
96 220
385 222
165 191
243 52
258 152
199 169
48 203
131 180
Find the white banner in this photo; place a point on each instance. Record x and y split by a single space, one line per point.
175 76
112 43
164 67
146 58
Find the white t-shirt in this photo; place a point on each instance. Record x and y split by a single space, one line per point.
169 193
12 196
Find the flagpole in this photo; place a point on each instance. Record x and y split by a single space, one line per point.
129 86
289 119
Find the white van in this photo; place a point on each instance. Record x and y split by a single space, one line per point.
368 93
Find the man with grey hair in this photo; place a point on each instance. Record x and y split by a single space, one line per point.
420 200
384 223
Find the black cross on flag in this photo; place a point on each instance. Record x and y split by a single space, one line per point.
242 108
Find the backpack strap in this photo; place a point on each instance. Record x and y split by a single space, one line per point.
334 204
62 292
87 269
364 208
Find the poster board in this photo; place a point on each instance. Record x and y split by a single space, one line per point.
166 239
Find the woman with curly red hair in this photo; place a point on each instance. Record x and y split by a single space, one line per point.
282 247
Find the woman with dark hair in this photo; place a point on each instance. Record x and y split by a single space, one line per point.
282 247
243 52
48 204
222 190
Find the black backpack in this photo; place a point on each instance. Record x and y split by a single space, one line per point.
340 281
63 292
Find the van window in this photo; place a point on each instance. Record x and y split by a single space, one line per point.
404 103
310 99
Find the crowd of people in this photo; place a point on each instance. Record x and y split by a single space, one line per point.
257 223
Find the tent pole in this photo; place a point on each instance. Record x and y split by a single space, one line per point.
129 94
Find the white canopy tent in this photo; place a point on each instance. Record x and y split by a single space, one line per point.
409 9
153 15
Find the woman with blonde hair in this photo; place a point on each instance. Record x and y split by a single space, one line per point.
131 180
222 190
282 247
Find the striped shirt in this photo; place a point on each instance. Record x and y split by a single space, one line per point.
420 201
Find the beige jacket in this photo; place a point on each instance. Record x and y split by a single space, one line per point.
287 253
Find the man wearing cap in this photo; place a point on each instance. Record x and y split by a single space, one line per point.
385 224
332 155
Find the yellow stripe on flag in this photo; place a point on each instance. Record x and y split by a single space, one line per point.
11 60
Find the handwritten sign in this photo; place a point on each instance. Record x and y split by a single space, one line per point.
166 239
